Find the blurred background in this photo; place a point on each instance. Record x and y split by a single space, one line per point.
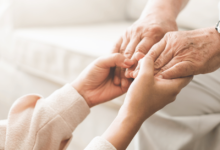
47 43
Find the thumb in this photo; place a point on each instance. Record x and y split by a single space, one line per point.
182 69
114 60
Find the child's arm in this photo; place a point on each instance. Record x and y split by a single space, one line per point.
146 95
35 123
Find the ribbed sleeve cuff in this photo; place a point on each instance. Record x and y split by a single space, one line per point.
70 105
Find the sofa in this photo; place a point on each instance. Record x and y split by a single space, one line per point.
45 44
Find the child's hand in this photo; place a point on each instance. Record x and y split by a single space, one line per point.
95 83
147 94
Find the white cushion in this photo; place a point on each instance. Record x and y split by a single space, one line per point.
60 54
134 8
65 12
197 14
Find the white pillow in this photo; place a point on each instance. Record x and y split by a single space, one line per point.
197 14
66 12
134 8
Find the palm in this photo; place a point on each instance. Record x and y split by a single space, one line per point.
95 83
100 86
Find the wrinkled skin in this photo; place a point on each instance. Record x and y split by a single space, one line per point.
140 37
186 53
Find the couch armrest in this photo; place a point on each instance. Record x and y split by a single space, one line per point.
36 13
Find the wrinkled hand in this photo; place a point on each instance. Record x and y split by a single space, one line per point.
147 93
140 37
95 83
185 53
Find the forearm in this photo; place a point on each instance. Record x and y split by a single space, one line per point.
122 130
166 8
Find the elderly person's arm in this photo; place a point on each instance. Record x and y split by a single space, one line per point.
158 18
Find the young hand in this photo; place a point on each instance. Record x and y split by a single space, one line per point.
148 94
95 83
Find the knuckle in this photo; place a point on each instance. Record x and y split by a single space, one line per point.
137 29
158 63
171 35
153 54
141 49
168 35
128 54
156 29
122 50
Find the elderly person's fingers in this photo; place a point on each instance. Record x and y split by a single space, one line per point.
181 69
138 56
130 49
157 49
154 53
143 47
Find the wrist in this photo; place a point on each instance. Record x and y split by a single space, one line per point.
166 23
137 116
170 8
79 88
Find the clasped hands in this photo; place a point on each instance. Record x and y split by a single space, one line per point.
169 59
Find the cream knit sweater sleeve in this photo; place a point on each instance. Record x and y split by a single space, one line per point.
35 123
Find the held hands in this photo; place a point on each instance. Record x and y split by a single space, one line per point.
147 93
140 37
95 83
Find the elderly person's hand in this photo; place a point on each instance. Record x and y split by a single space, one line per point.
185 53
95 83
145 32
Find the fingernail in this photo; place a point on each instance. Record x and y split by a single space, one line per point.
160 76
128 62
